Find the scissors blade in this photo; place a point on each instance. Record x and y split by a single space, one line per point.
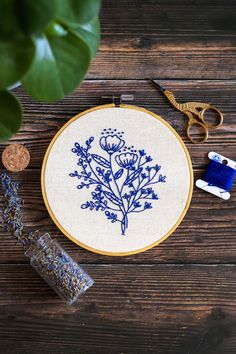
162 89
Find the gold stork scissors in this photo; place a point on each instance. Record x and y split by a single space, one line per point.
192 110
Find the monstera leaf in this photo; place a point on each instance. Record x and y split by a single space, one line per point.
77 12
60 64
90 34
10 115
47 46
21 54
19 18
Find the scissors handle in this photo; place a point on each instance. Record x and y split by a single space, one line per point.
192 109
201 127
218 113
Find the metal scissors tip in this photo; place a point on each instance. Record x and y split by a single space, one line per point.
162 89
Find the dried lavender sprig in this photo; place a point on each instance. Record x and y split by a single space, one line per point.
47 257
12 214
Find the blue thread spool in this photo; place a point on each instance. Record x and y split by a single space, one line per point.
219 176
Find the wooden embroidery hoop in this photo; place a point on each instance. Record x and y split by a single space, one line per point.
53 217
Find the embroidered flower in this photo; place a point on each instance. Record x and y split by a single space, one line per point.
155 196
162 179
126 160
157 168
111 187
111 143
147 205
142 152
126 196
148 158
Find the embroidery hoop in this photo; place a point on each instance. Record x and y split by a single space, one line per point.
82 244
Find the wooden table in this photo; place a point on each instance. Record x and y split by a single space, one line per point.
180 296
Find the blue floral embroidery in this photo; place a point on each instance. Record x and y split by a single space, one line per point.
111 143
120 178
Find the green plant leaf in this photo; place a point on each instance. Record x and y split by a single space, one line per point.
35 15
10 115
19 18
16 58
89 33
76 12
9 23
60 64
55 29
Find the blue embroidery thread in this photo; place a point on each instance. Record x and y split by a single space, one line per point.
122 178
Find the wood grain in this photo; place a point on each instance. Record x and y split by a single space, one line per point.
43 120
179 297
207 232
167 39
130 309
206 235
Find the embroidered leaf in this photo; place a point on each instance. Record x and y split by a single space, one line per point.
101 161
85 205
112 198
104 172
111 216
133 176
119 173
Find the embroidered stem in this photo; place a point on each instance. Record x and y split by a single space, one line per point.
124 223
119 193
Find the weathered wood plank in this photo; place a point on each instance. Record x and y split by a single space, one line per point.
213 18
141 309
136 308
206 235
190 63
167 39
43 120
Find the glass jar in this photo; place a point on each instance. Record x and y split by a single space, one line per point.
58 269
